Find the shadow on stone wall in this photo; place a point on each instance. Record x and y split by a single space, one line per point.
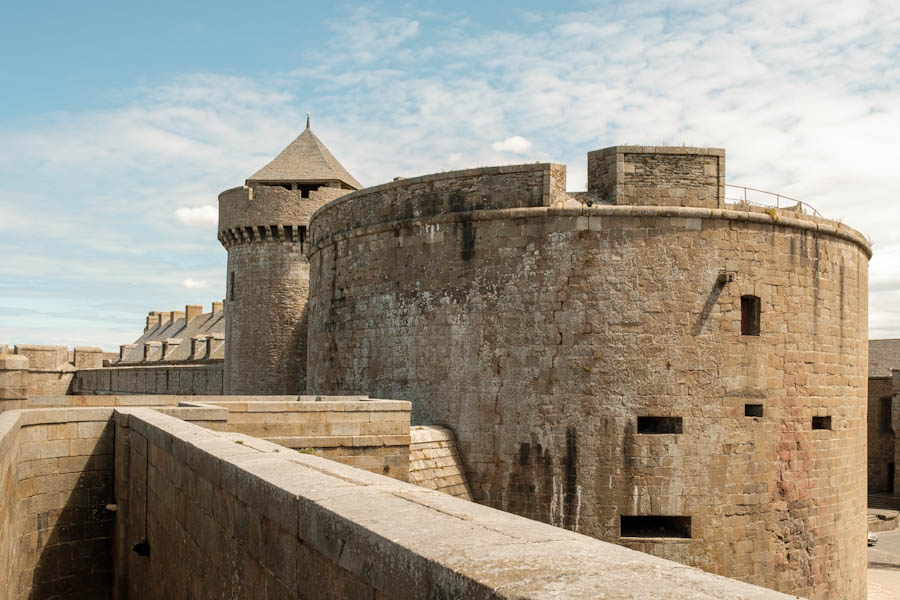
70 541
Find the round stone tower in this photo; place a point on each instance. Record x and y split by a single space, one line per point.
643 362
263 226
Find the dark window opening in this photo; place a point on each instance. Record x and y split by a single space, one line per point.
660 425
273 230
261 232
231 286
301 231
306 189
753 410
821 422
886 408
750 309
286 186
655 526
289 232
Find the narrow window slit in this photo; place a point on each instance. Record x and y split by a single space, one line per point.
753 410
750 315
655 526
821 422
660 425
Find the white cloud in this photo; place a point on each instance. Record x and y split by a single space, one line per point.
198 215
515 144
195 284
805 98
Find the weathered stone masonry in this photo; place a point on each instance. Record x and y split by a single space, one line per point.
263 226
591 361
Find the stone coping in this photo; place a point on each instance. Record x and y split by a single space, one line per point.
257 404
209 363
676 150
408 542
778 218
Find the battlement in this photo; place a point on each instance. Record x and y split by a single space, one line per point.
658 176
483 189
264 213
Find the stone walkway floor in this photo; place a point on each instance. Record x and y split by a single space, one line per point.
884 567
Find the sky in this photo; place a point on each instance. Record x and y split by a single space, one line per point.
120 123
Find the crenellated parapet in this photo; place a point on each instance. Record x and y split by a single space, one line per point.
263 213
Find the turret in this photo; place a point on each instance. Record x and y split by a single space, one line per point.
263 226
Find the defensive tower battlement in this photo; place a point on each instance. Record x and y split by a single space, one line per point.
263 226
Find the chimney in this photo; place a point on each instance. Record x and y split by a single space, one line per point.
169 346
191 312
152 320
176 315
165 319
218 307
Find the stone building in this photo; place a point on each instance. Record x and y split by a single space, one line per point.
884 385
643 362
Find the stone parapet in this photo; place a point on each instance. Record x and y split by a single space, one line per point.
269 518
658 175
264 206
204 378
13 381
457 192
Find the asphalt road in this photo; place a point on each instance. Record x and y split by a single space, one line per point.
884 567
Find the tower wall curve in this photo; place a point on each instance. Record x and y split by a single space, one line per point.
264 230
591 362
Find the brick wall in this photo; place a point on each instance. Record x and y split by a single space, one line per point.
541 335
434 462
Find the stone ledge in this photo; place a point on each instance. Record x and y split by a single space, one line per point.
823 226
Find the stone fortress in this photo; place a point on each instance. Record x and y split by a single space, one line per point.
643 363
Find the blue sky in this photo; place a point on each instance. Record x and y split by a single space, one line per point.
121 122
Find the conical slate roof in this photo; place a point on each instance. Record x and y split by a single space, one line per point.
305 159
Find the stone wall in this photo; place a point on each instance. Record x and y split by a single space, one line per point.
63 482
204 379
555 341
434 462
880 441
9 456
357 431
266 319
263 205
658 176
226 515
